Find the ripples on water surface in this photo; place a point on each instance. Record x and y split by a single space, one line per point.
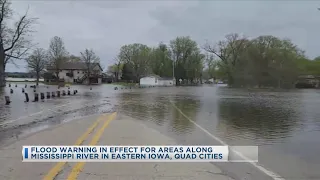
286 124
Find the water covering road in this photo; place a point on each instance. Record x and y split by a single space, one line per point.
285 124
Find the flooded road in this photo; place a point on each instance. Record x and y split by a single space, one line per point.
285 124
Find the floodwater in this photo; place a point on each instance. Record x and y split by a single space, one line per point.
284 124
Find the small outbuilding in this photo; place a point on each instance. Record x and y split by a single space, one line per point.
154 80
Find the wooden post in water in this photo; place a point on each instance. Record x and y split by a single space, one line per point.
42 96
48 95
7 98
27 97
36 97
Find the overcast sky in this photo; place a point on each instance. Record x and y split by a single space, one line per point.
107 25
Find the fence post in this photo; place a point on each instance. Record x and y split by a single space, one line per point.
27 97
7 98
42 96
36 97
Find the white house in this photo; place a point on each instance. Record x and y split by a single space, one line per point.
155 80
76 72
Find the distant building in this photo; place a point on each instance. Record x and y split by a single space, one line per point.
154 80
76 72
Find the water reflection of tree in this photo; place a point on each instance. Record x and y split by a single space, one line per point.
132 105
256 117
189 107
147 107
159 110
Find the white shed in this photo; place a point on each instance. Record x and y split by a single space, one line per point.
155 80
149 81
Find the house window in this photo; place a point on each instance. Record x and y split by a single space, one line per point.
78 72
156 80
82 72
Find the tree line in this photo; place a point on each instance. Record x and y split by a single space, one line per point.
264 61
15 44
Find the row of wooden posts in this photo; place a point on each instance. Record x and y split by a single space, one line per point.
42 95
34 86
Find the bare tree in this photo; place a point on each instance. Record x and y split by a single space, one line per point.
229 51
57 54
14 42
37 62
90 59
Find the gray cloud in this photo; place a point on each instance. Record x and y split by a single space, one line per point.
107 25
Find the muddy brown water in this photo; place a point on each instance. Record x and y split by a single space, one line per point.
284 124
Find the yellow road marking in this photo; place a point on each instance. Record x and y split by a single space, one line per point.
58 167
79 166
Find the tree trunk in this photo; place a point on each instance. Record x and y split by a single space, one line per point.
57 76
117 76
2 67
88 76
37 82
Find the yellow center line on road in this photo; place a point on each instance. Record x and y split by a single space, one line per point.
79 166
58 167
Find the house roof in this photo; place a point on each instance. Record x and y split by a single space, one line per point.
74 66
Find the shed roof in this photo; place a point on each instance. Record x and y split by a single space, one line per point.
156 76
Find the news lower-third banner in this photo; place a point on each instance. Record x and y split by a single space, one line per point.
139 153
